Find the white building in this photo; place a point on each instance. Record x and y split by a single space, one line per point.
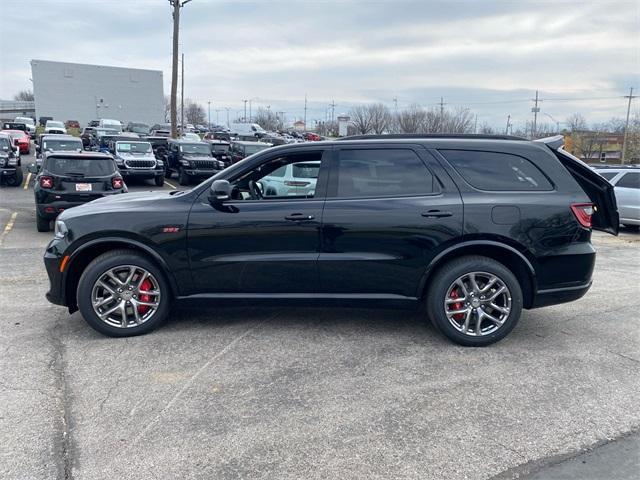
74 91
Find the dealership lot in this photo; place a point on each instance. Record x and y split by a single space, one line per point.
290 392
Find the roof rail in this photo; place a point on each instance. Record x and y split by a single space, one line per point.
393 136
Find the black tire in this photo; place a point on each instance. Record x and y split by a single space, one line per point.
183 178
159 181
97 268
42 224
443 279
15 180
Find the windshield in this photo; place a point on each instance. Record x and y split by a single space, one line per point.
251 149
81 166
220 148
105 131
4 144
139 128
54 124
61 145
28 121
195 149
133 147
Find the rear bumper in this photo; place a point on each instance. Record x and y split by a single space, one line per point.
555 296
51 210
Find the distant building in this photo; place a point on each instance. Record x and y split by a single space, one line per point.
595 147
299 126
73 91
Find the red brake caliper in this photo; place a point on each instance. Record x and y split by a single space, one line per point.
458 305
144 287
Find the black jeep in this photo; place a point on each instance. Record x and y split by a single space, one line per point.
10 165
192 161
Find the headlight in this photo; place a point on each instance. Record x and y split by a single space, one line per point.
60 230
12 162
160 163
184 162
119 162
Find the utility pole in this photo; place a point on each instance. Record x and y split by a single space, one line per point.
209 109
442 104
305 111
177 5
535 109
333 108
244 118
631 96
506 131
182 99
228 124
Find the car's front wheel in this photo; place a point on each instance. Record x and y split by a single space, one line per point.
183 178
474 301
122 293
159 180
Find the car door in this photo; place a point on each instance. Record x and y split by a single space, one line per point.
388 212
258 246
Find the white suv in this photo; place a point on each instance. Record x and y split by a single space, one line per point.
626 181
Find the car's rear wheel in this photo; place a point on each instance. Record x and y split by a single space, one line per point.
42 224
122 293
183 178
474 301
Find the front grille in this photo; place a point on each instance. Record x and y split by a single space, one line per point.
205 164
140 163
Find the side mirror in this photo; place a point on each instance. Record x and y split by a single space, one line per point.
32 168
38 149
220 191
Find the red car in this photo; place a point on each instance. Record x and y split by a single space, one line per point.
311 137
21 140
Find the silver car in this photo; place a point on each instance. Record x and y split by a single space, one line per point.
627 187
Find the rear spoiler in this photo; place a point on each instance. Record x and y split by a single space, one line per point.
597 188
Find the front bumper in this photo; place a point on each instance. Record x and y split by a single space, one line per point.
8 171
142 174
194 172
52 259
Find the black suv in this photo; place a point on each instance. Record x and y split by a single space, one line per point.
68 179
473 228
10 168
191 160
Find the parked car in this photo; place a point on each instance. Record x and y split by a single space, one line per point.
69 179
29 122
10 168
20 139
43 120
138 127
191 161
135 159
16 126
72 124
274 140
221 151
160 146
53 126
217 135
626 182
86 136
240 150
293 179
190 137
107 138
110 124
311 137
50 143
94 123
247 129
475 228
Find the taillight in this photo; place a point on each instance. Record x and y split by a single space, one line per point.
117 182
583 212
46 182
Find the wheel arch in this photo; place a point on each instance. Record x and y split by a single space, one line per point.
510 257
92 249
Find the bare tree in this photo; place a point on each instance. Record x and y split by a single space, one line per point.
411 120
576 122
361 119
24 96
268 120
194 113
380 118
457 121
486 129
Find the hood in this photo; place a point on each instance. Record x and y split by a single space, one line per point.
135 156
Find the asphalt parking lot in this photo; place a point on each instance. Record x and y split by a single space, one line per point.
303 393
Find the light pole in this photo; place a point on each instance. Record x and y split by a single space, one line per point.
244 117
554 121
209 112
228 124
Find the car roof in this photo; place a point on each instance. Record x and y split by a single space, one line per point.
82 155
246 142
62 136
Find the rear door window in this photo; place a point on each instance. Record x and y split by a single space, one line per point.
493 171
608 175
382 173
630 180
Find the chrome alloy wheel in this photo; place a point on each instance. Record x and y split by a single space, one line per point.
125 296
477 303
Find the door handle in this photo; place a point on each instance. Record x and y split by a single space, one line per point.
299 217
436 214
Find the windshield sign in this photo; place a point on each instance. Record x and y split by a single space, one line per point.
133 147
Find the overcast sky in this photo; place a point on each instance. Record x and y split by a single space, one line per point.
489 56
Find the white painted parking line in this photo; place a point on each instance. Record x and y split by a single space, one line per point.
171 185
27 180
8 227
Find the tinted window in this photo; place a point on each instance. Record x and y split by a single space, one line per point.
497 171
630 180
608 175
81 166
375 173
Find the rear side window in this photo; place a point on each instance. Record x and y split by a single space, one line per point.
494 171
630 180
81 167
608 175
382 172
